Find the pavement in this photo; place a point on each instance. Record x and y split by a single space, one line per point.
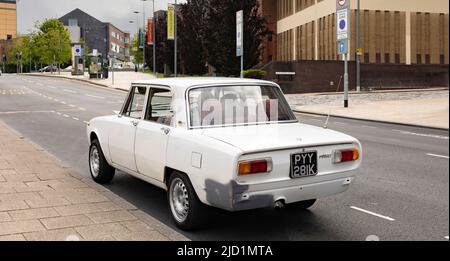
42 201
122 79
401 193
422 107
427 108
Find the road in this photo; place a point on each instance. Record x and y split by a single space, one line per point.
402 192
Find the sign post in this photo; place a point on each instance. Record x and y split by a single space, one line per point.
240 38
342 36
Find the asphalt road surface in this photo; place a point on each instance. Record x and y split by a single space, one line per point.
402 192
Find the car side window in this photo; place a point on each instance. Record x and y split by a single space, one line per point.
135 104
159 106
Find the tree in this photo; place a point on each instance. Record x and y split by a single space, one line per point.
191 21
53 42
220 36
136 51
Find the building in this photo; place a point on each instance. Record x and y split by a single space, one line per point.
268 9
103 37
393 32
8 19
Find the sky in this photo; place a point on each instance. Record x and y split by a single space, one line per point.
117 12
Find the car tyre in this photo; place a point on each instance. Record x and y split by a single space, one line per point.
187 210
101 171
303 204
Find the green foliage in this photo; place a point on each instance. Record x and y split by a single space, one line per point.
136 51
49 44
254 73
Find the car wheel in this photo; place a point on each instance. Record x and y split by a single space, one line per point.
101 171
303 204
187 210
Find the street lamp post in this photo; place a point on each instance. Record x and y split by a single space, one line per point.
358 47
154 38
143 40
137 33
175 41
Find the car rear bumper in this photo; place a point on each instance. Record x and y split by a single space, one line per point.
245 197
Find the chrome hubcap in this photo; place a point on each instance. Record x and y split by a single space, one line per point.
94 161
179 200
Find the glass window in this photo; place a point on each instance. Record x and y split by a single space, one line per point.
135 103
236 105
73 22
159 108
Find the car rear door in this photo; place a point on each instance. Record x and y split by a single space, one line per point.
152 134
122 135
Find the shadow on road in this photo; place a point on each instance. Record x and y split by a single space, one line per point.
260 224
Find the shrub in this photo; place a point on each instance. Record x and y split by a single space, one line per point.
254 73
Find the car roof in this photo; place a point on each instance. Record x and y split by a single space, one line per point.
182 83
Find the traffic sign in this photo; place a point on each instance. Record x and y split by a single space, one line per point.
342 47
343 24
342 4
239 32
77 51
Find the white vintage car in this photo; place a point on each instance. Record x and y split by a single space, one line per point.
229 143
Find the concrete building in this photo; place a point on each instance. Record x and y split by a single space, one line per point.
393 32
104 37
8 19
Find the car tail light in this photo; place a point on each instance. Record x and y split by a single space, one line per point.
255 167
341 156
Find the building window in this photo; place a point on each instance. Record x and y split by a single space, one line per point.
366 58
73 22
387 58
419 59
442 59
378 58
397 58
427 59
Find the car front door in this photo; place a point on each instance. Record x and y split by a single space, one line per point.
153 133
122 135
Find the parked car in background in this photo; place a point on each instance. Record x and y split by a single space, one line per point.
233 144
49 68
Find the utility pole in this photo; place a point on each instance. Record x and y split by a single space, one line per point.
175 41
358 48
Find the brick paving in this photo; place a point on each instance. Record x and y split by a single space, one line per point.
42 201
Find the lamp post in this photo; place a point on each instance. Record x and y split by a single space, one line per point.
143 29
154 38
358 47
137 32
175 42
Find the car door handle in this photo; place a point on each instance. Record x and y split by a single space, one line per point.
165 130
135 123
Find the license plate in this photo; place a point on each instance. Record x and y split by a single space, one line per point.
304 164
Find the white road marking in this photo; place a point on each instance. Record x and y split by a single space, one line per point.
59 113
70 91
66 116
338 122
369 127
63 102
372 213
75 118
96 97
71 105
85 122
446 237
423 135
438 156
82 109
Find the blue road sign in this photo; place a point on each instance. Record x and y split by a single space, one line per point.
343 47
